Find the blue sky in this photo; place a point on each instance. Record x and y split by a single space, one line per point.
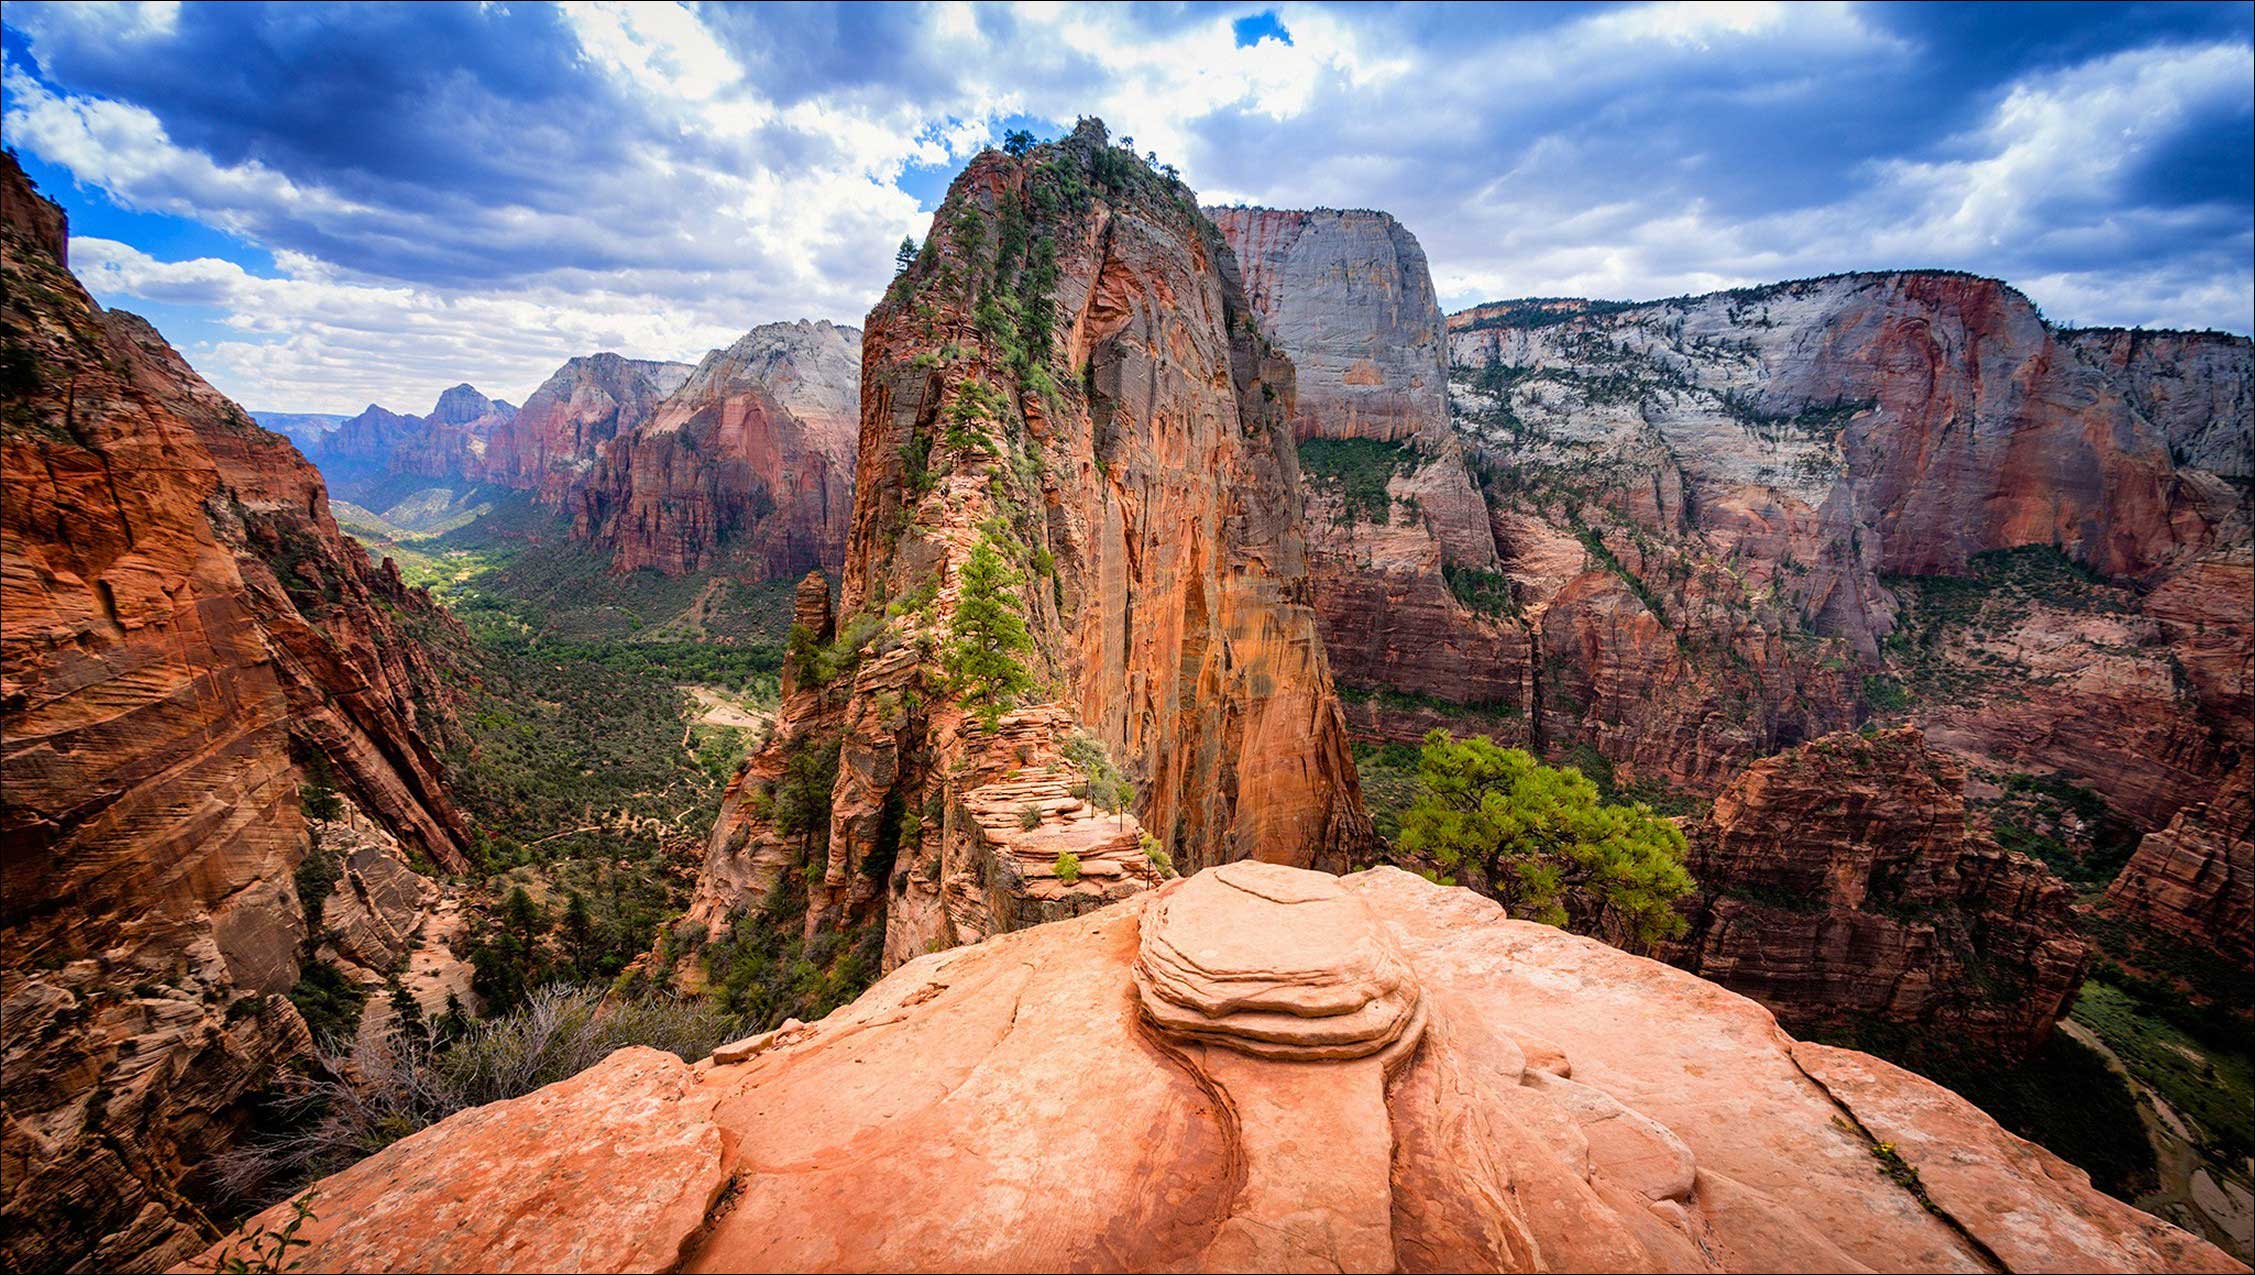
327 206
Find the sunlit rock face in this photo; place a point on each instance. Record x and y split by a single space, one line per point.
550 445
1360 1073
1070 374
186 641
752 454
1732 523
1392 512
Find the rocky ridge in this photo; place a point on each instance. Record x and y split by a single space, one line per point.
186 641
1069 377
1367 1073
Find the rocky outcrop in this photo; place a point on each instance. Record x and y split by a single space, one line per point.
752 456
2195 879
1066 382
1841 886
550 444
1369 1073
1392 514
1771 482
185 641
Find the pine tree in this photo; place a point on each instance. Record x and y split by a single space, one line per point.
905 258
986 635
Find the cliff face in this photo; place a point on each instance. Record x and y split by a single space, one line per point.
1369 1073
2196 878
1899 495
752 454
1068 380
549 445
1392 515
182 632
1843 886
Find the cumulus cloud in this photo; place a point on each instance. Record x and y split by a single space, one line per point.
479 192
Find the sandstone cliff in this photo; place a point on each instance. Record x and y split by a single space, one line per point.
1258 1068
1841 886
1393 519
1779 490
1069 378
184 638
550 444
2195 879
752 455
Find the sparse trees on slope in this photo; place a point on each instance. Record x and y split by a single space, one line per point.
986 637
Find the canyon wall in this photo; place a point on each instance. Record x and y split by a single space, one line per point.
1067 397
1842 886
1891 495
1395 527
1257 1068
185 642
549 445
752 456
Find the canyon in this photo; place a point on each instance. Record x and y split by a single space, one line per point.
1147 521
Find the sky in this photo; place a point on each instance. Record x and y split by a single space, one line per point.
324 207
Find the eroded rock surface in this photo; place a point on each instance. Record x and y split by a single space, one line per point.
183 631
1841 885
1547 1103
1068 376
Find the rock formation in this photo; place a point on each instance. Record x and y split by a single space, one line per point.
754 453
1769 483
2195 879
550 444
1842 887
1392 514
1069 381
1257 1068
185 640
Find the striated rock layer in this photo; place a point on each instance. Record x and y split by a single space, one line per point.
1392 514
2195 879
1766 484
549 445
754 451
1843 887
185 640
1068 376
1259 1068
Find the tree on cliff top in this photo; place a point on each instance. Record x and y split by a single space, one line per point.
1540 841
904 258
986 637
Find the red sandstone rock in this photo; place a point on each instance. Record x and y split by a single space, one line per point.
2195 879
549 445
179 620
753 453
1841 886
1139 475
1101 1094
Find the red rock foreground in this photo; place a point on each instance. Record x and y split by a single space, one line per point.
1256 1068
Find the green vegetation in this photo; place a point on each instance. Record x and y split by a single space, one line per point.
986 636
329 1002
2071 828
264 1250
2211 1086
766 970
1103 785
1885 694
1540 840
1067 867
1939 648
1356 471
1488 592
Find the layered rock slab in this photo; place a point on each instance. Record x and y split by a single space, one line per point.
1561 1105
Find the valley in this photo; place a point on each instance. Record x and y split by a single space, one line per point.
1724 744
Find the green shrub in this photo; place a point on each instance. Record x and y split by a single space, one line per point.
1356 471
1068 867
